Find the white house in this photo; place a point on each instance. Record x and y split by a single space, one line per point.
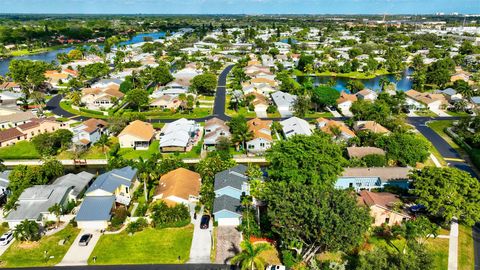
136 135
295 126
284 102
262 136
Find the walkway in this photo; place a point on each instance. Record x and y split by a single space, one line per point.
453 246
78 255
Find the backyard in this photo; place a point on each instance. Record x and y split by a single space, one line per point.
29 254
150 246
21 150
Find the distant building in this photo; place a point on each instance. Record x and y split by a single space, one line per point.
373 178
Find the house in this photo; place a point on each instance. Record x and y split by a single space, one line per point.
263 80
89 132
417 100
179 186
260 104
106 83
107 191
344 103
371 126
360 152
101 98
262 136
136 135
55 78
262 89
374 178
179 136
367 94
215 129
295 126
79 182
34 202
38 126
383 207
10 86
13 118
284 102
337 129
11 136
171 102
229 187
10 98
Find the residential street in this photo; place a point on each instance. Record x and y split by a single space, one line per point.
141 267
78 255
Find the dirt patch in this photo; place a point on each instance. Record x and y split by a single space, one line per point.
28 245
228 243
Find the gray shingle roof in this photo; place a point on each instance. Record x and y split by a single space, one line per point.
77 181
233 177
95 208
111 180
36 200
225 202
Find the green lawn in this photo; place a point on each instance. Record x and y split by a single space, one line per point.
94 152
32 253
319 114
196 113
459 114
350 75
129 153
466 260
426 113
439 249
67 106
150 246
21 150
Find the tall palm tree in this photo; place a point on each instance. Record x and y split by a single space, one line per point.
144 170
103 141
57 210
383 82
250 258
27 230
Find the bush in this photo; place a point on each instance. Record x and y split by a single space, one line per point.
119 217
141 210
137 225
374 160
288 258
164 216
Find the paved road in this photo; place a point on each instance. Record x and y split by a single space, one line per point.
78 255
140 267
221 94
53 105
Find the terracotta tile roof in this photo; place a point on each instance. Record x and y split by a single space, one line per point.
92 124
179 183
425 98
9 134
346 97
139 129
371 126
259 99
359 152
8 85
331 124
256 126
382 199
264 80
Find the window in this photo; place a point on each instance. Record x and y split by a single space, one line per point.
350 185
262 144
126 190
251 146
387 220
404 219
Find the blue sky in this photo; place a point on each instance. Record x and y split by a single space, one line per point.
241 6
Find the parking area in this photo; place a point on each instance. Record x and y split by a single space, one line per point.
228 243
78 255
201 243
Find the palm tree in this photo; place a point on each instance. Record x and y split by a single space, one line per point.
27 230
102 141
250 258
57 210
383 82
247 204
144 169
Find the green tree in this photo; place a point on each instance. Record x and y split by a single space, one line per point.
27 230
137 98
170 164
240 132
463 88
299 160
29 74
448 192
204 84
301 106
103 141
324 96
405 148
250 257
57 210
355 86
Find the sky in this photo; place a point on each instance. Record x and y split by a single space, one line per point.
240 6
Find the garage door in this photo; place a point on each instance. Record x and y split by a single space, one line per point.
228 221
95 225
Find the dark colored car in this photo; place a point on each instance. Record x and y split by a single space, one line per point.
85 239
204 222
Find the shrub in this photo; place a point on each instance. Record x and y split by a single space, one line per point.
288 258
141 210
119 216
164 216
137 225
374 160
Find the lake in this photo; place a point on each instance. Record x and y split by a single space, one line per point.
404 84
52 55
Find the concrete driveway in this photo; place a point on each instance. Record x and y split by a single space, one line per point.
228 243
78 255
4 248
201 243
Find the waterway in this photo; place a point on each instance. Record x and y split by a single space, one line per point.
52 55
403 84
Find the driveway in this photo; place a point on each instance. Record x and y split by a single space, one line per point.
228 243
78 255
4 248
201 243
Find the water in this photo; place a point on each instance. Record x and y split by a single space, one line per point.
52 55
404 84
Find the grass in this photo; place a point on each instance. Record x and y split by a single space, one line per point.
435 152
439 249
67 106
29 254
426 113
458 114
94 152
151 246
21 150
129 153
466 258
196 113
318 115
350 75
213 251
271 256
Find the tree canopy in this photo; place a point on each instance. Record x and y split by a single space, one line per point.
204 83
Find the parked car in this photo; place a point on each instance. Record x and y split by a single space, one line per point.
85 239
276 267
204 222
6 238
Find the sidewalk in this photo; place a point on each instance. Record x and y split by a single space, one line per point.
453 246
